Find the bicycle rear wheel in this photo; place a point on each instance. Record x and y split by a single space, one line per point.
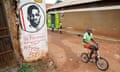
102 64
84 57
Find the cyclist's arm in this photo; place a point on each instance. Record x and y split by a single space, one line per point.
85 41
93 40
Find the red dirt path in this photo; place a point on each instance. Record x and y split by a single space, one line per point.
65 49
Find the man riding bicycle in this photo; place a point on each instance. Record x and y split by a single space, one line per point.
87 39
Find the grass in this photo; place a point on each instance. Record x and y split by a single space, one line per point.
42 65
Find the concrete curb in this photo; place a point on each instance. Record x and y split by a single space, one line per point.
81 34
98 37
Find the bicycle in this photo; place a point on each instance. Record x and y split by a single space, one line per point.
101 63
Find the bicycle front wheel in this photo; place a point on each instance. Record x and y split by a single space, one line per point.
102 64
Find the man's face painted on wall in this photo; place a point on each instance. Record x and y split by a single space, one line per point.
34 17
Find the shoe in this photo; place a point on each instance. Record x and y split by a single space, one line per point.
91 60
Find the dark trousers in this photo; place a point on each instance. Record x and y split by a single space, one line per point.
93 48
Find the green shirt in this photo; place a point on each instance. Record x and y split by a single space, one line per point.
87 37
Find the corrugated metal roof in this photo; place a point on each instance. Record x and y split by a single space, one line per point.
71 2
49 5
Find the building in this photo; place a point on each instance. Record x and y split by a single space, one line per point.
49 5
78 15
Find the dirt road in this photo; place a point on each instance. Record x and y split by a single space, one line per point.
65 49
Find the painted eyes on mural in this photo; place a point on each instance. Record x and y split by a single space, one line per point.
34 15
37 14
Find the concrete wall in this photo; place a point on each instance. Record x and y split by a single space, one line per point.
105 22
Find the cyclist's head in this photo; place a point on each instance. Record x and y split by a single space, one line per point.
90 30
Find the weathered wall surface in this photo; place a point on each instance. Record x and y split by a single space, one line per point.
11 21
105 23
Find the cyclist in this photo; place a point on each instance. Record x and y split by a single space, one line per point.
88 39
